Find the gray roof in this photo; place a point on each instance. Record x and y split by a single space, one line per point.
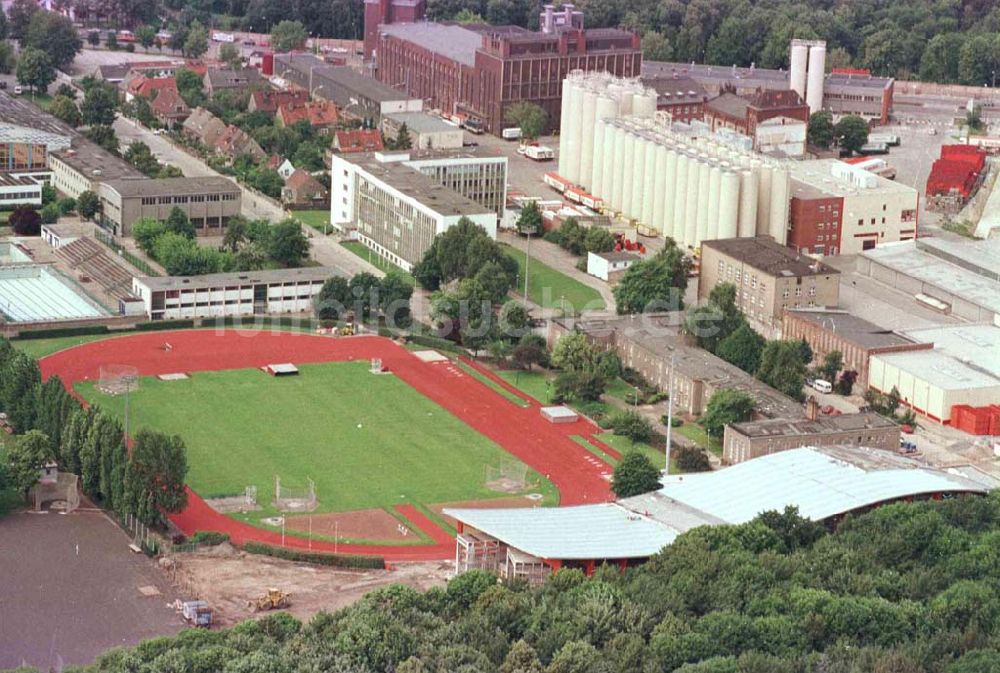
227 78
16 112
335 83
308 273
769 257
729 104
851 328
421 122
783 427
604 531
420 187
762 77
455 42
97 163
172 186
675 90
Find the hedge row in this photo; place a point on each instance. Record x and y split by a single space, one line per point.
83 330
335 560
158 325
249 321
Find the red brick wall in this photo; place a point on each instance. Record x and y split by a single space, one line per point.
815 224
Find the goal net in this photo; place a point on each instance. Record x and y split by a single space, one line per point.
118 379
289 498
508 475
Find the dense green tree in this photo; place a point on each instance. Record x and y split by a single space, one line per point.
656 46
65 109
19 381
26 456
196 41
99 105
288 35
190 86
521 658
139 155
724 407
178 222
146 36
633 425
851 133
333 299
158 466
93 38
833 362
530 220
8 59
527 116
782 368
19 16
104 136
25 221
581 385
940 58
634 474
88 204
690 459
287 244
821 132
145 231
73 437
529 351
35 70
230 55
394 300
655 284
715 320
460 252
54 34
742 348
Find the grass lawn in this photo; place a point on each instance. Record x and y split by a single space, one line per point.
535 383
42 100
548 287
697 434
364 253
367 441
317 219
486 381
39 348
623 445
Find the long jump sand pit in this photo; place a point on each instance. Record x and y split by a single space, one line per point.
375 525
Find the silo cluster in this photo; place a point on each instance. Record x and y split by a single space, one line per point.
807 71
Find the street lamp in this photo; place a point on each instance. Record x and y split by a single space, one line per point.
670 415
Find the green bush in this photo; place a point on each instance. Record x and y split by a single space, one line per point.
158 325
335 560
691 459
208 537
594 410
633 425
672 421
62 332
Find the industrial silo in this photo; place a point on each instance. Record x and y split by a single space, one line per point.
711 230
764 200
691 201
779 205
638 177
748 203
628 166
649 186
799 57
569 163
729 204
608 159
644 105
593 181
625 103
563 124
817 72
585 171
617 168
680 197
669 188
704 195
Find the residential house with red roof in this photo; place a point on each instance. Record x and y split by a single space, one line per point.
302 189
321 115
169 108
357 140
269 101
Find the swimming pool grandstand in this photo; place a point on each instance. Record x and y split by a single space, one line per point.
34 293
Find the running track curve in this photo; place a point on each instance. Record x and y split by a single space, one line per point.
547 448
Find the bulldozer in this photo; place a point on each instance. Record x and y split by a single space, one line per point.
274 599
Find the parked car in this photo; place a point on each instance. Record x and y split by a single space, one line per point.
18 90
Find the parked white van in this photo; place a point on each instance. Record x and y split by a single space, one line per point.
823 386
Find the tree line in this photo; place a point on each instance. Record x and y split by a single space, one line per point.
145 479
906 588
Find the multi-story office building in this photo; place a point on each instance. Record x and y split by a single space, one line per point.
209 202
768 277
396 210
85 165
478 175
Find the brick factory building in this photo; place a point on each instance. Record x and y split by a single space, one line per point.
828 330
479 70
682 97
748 115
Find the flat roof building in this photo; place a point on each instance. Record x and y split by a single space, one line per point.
209 202
838 208
769 278
827 330
955 277
85 165
963 368
479 70
426 131
354 94
231 294
683 97
823 483
394 209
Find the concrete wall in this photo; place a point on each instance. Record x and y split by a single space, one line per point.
737 447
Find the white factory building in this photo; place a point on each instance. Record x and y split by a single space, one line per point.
615 145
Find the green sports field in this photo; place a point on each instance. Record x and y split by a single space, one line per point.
366 440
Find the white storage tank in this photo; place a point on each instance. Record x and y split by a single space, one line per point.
680 197
644 105
659 188
748 204
798 59
669 189
589 118
691 207
779 205
649 186
563 124
608 159
625 103
817 73
764 200
704 196
593 181
638 177
711 230
628 166
729 205
573 131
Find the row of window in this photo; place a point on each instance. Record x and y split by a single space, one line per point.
20 196
198 198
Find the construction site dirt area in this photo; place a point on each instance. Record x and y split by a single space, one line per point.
228 579
365 524
71 589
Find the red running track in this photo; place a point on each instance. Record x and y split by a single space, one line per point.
547 448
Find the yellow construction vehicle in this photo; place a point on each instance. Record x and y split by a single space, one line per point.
347 330
274 599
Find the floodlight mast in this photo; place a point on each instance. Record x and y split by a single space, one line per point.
670 415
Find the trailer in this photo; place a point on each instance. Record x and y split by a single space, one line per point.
556 181
539 153
197 613
512 133
873 148
219 36
889 139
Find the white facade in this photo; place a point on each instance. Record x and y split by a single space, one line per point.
603 265
781 134
17 189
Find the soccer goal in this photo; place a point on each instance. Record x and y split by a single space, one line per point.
291 499
118 379
508 476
